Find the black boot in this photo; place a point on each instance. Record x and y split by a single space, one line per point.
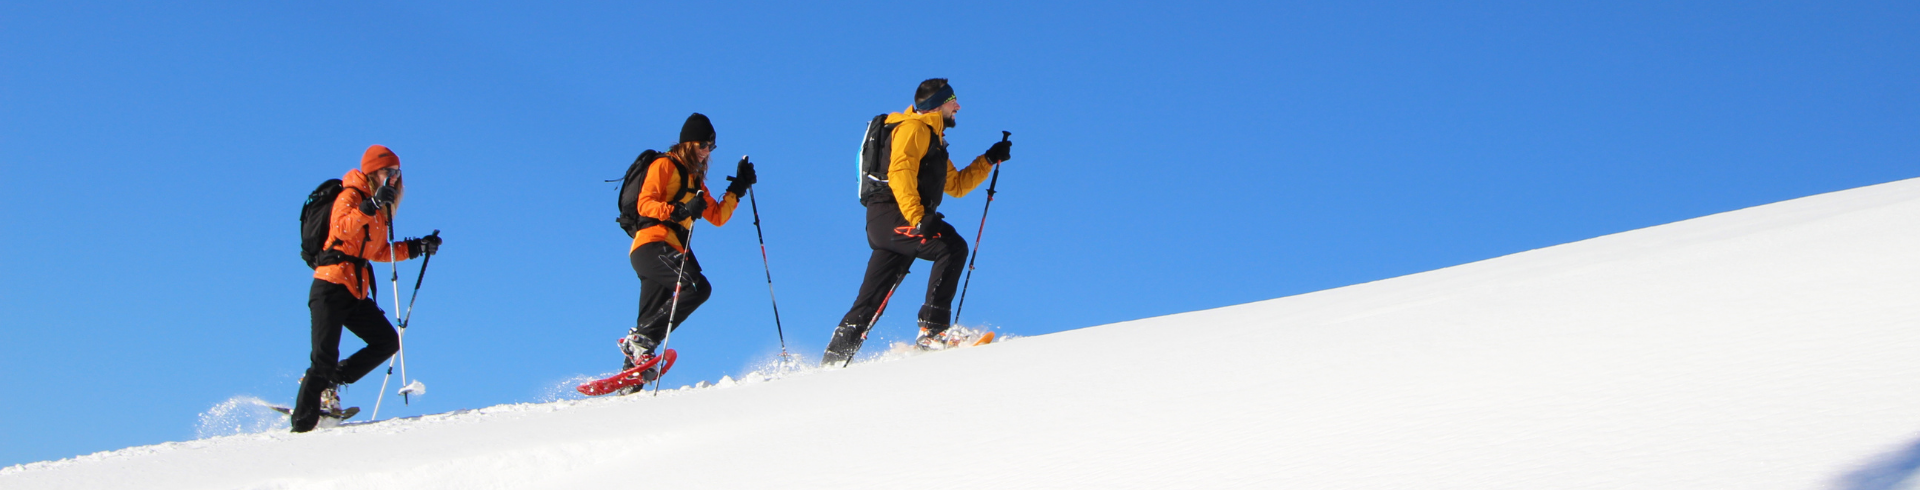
307 405
846 341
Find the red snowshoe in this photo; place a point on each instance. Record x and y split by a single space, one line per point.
645 372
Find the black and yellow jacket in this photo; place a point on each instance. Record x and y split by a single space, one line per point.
919 169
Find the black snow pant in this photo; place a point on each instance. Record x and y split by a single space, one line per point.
332 307
656 264
893 255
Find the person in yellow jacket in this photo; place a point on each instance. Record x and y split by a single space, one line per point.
343 280
674 194
904 223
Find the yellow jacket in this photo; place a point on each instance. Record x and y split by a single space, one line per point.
910 140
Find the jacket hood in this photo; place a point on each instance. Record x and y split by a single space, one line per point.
931 119
357 180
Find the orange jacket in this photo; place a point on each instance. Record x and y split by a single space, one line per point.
910 140
356 234
663 181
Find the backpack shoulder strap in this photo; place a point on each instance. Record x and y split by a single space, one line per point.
686 181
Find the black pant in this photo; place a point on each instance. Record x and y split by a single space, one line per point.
893 254
332 307
656 263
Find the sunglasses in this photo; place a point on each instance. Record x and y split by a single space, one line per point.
393 176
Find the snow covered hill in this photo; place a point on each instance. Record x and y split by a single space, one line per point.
1772 347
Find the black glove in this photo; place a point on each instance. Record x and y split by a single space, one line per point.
925 226
923 230
385 196
423 246
1000 152
690 209
743 178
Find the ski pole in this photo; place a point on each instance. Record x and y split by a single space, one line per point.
977 234
768 267
880 310
401 348
416 286
407 391
679 278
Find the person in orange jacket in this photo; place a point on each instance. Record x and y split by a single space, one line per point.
341 295
903 223
659 249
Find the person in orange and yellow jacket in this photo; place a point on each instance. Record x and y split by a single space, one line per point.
903 223
673 195
342 292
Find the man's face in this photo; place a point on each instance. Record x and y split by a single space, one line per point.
948 110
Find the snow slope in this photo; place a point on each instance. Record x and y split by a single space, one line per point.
1772 347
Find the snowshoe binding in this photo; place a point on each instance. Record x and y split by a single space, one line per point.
952 337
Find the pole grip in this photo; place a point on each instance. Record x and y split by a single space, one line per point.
995 182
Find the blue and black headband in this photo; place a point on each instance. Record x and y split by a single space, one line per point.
939 98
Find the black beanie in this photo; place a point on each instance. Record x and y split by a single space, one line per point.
697 128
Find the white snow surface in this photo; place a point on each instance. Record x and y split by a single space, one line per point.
1771 347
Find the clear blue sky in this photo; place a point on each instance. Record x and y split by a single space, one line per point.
1167 158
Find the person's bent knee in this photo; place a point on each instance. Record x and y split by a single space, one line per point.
384 345
699 293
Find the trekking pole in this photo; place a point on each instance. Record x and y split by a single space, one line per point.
401 348
768 267
416 286
679 277
976 236
409 389
881 309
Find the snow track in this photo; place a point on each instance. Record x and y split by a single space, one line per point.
1771 347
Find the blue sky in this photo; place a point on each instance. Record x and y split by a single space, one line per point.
1167 158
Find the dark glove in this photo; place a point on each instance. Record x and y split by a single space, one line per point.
690 209
743 178
1000 152
423 246
385 195
923 230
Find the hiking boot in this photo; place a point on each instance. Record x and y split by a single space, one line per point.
934 331
637 348
846 341
330 401
933 341
946 338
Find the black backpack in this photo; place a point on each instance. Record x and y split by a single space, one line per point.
876 152
630 219
316 217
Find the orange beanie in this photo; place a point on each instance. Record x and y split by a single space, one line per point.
378 157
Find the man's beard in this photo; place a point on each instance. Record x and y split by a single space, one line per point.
951 122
